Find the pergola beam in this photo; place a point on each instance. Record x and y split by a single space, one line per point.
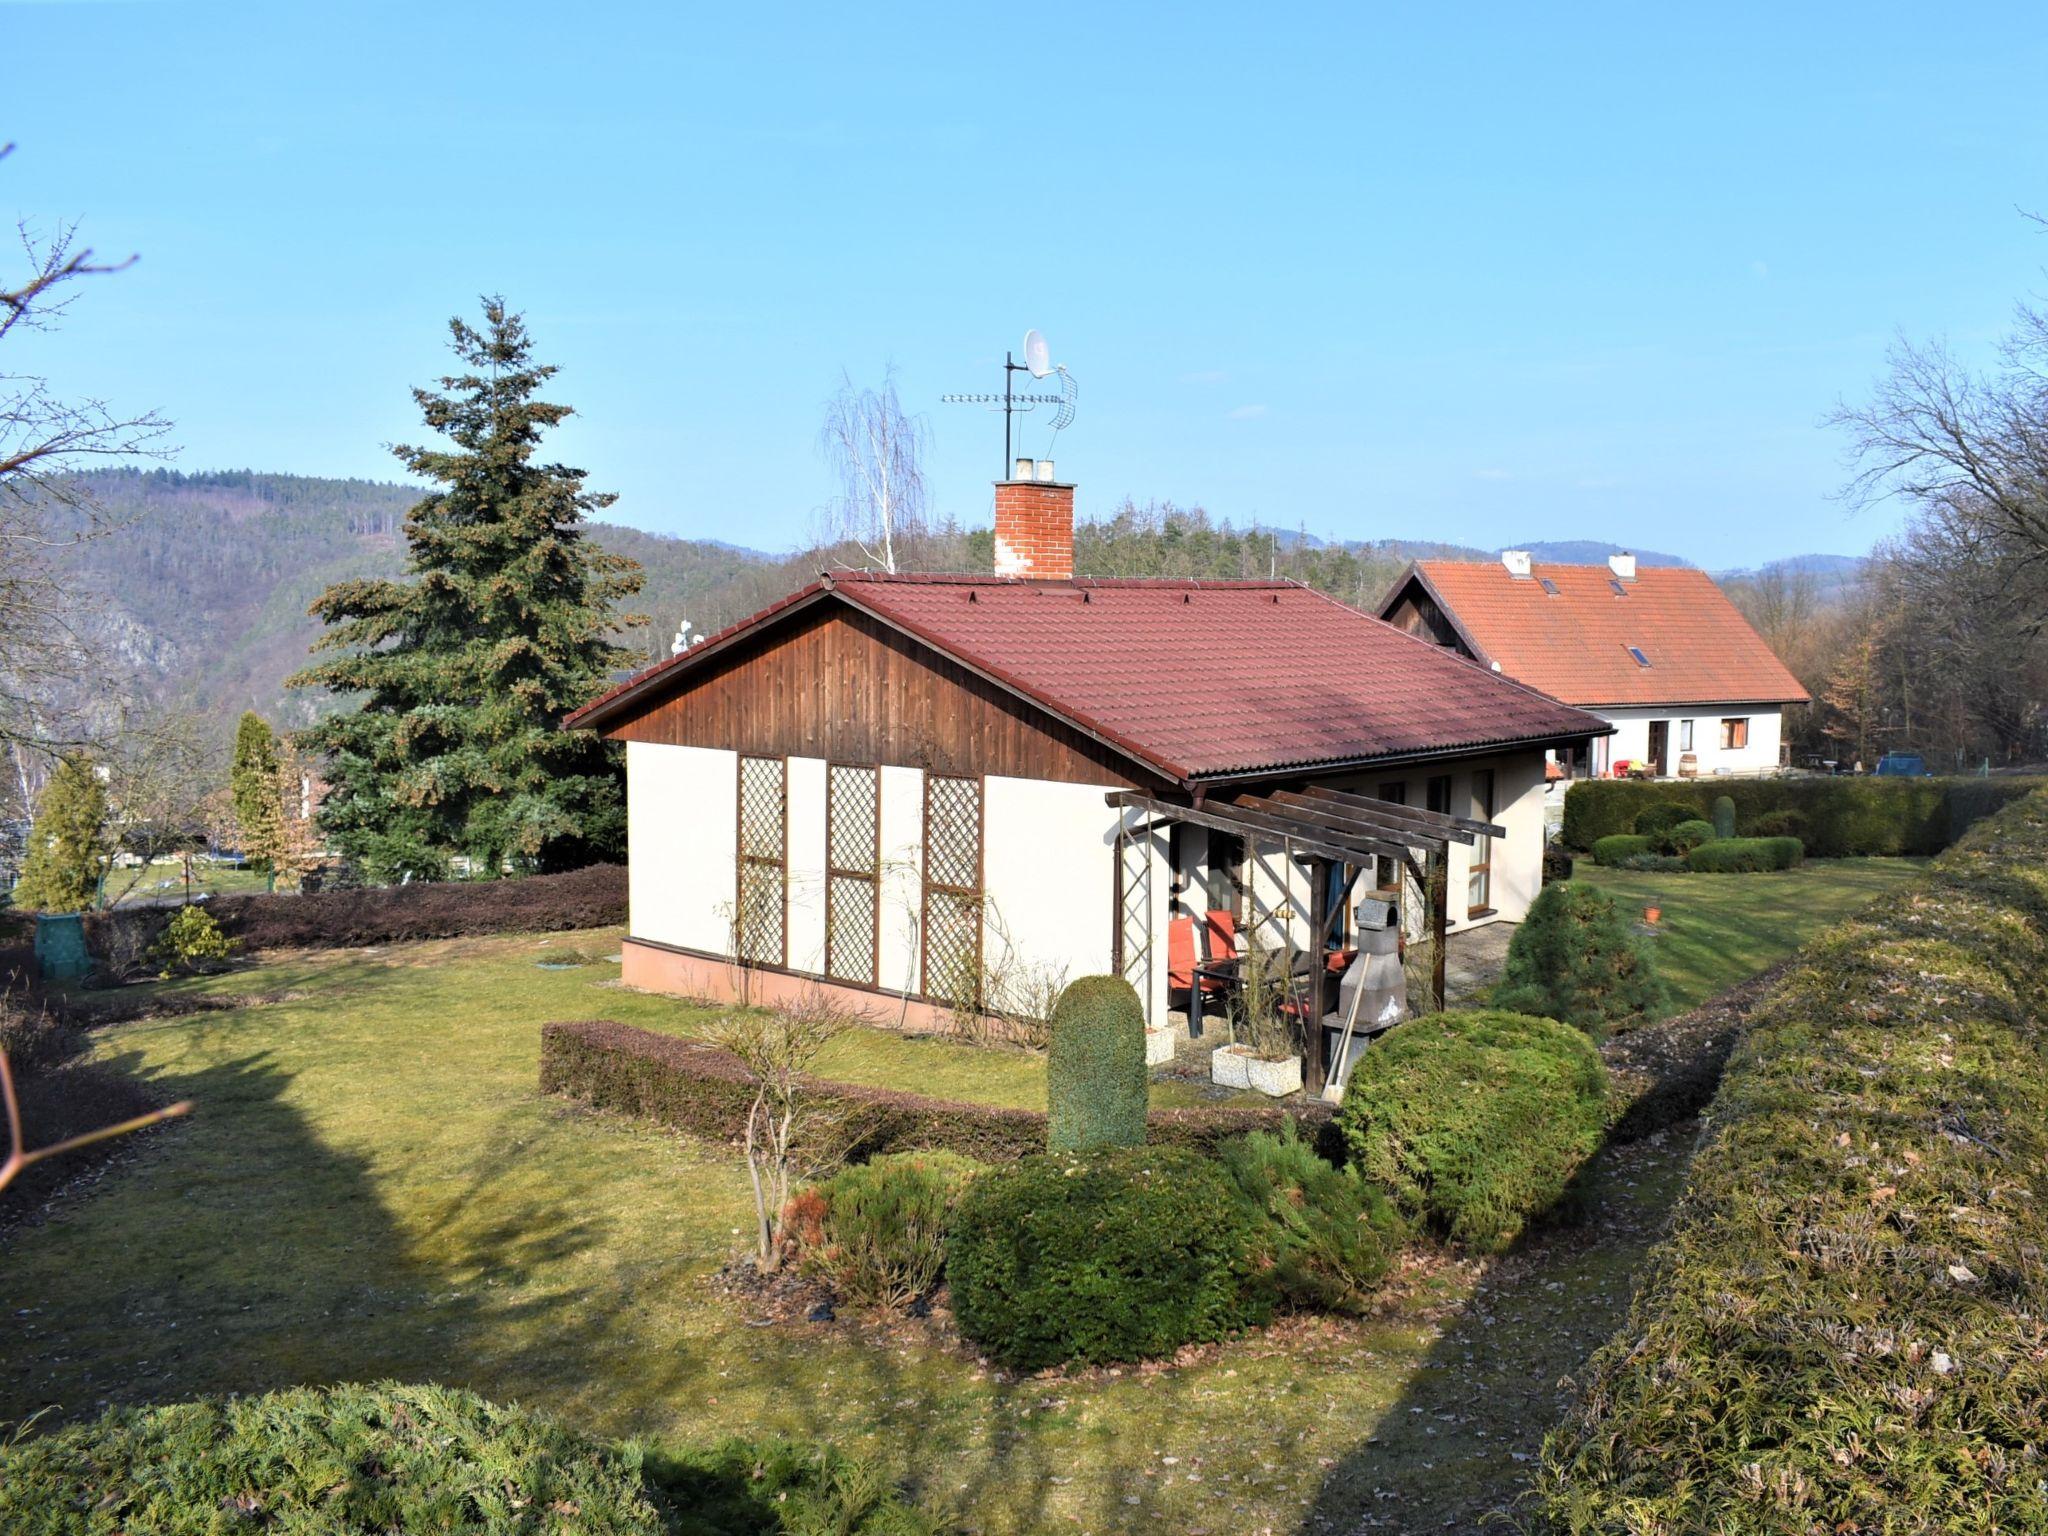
1393 842
1423 820
1320 825
1228 819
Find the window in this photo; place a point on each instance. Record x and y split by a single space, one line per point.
1685 735
1619 589
1641 660
1223 876
1389 871
1437 794
1549 586
853 857
761 906
952 890
1479 881
1735 734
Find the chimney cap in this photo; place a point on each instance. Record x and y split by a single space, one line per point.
1518 563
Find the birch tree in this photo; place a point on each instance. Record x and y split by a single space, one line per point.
877 454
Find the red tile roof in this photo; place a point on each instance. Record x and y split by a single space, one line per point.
1196 679
1575 645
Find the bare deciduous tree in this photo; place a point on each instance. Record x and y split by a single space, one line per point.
877 452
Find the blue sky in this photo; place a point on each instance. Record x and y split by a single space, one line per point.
1485 273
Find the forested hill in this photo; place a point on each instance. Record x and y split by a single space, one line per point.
205 581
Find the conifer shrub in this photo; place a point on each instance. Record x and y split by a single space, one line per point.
1780 824
1686 836
360 1460
876 1231
1122 1253
191 941
1660 816
1724 816
1095 1067
1615 851
1326 1237
68 844
1745 855
1475 1123
1578 958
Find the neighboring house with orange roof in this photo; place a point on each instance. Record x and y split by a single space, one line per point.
1660 651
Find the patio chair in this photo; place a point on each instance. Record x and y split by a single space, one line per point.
1181 959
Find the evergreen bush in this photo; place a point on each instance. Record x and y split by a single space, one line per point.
1327 1237
1660 816
1577 958
357 1460
1847 817
1475 1123
1724 816
1118 1254
876 1231
1610 851
1688 835
1745 855
1780 824
68 845
1095 1079
191 941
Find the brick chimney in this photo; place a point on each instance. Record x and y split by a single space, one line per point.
1035 524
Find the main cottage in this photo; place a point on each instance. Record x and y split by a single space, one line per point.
943 792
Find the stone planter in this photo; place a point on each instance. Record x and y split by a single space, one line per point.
1233 1066
1159 1046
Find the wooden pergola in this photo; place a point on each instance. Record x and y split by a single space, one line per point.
1328 829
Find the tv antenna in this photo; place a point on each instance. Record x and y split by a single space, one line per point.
1039 364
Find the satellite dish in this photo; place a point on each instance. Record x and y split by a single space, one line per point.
1037 355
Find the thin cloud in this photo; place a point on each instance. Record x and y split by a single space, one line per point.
1248 413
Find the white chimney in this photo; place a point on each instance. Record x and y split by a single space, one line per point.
1623 565
1517 562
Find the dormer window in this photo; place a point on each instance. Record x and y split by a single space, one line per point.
1640 659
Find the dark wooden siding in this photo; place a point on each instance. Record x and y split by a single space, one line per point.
1417 612
839 684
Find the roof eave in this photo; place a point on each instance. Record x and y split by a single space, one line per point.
1398 759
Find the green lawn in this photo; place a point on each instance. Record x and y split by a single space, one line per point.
370 1187
1717 930
166 880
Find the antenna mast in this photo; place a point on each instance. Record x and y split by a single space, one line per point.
1038 363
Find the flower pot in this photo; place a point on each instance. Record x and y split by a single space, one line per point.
1159 1044
1234 1066
1652 914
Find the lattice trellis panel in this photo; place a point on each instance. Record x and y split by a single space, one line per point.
852 835
763 879
952 833
952 890
850 928
853 863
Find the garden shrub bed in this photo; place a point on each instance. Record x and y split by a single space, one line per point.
1847 1328
1839 817
594 897
365 1460
1744 855
701 1090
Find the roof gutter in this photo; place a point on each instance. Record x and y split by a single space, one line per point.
1395 759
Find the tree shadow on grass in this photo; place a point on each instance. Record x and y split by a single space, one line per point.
1459 1447
243 1252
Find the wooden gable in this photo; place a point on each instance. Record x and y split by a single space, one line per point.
1417 611
836 683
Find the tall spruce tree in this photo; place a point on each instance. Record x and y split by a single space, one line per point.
252 782
68 845
465 669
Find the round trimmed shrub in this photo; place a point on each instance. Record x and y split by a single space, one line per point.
1477 1122
1095 1067
1781 824
348 1460
1724 816
1615 852
1688 835
1578 959
1653 821
876 1231
1120 1254
1326 1236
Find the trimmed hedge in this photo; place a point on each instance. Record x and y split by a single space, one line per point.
1688 835
594 897
1476 1122
1122 1253
1745 855
1095 1080
1845 816
1659 817
703 1091
1847 1328
357 1460
1613 851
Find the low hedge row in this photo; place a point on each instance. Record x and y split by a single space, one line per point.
594 897
1844 817
704 1091
1745 855
1847 1328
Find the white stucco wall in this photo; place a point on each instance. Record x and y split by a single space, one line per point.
806 825
682 810
902 881
1631 738
1049 869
